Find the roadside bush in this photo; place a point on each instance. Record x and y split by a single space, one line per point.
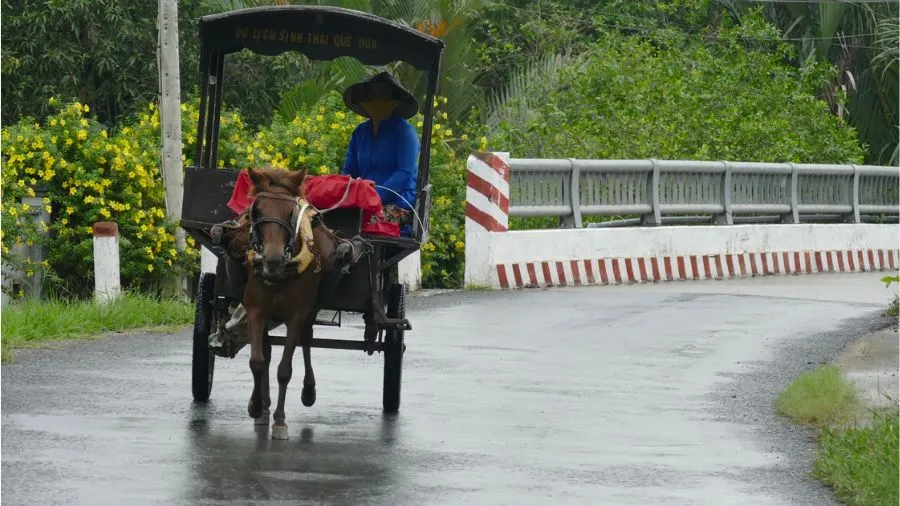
88 175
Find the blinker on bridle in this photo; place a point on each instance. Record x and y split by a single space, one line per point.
291 228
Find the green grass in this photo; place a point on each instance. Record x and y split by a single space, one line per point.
820 398
475 287
31 323
894 306
860 464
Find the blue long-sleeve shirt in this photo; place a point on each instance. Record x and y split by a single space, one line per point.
390 159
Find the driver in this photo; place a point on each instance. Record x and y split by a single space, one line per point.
385 147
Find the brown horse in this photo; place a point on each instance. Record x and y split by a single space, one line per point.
287 253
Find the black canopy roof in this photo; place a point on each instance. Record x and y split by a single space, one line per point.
320 33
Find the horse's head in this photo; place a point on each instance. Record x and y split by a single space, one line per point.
274 218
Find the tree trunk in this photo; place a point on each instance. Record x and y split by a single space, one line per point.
170 118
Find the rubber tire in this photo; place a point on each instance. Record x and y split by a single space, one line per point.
394 347
203 361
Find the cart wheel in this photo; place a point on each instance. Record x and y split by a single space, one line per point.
393 350
203 360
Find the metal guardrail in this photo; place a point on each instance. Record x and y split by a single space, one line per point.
669 191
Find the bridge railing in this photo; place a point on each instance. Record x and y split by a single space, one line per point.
721 192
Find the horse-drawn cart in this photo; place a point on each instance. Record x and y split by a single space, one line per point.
370 288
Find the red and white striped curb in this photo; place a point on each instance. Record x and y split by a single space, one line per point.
617 271
487 191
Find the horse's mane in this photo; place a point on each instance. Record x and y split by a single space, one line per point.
269 179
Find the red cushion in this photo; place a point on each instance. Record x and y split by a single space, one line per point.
325 192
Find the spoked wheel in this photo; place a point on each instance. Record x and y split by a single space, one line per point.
203 360
393 350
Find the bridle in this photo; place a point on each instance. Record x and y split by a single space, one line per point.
292 228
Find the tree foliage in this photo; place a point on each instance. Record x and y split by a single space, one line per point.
100 52
684 99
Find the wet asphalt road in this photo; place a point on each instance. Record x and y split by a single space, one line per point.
650 394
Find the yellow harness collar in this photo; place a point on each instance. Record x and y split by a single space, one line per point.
305 236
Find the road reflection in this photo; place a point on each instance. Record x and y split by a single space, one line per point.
350 458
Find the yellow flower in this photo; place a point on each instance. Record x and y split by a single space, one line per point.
82 134
53 122
84 122
105 213
48 208
64 221
460 245
86 108
30 192
320 117
323 169
88 199
150 267
70 210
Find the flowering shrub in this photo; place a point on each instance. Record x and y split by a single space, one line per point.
90 174
87 176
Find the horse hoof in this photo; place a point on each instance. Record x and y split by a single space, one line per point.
255 411
262 419
308 396
279 432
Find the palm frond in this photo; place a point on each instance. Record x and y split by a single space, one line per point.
887 44
514 103
304 95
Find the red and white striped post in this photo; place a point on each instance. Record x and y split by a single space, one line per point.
487 212
107 284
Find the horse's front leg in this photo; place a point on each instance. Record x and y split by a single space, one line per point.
308 396
256 330
285 370
266 400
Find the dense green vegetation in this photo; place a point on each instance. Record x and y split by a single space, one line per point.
615 78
